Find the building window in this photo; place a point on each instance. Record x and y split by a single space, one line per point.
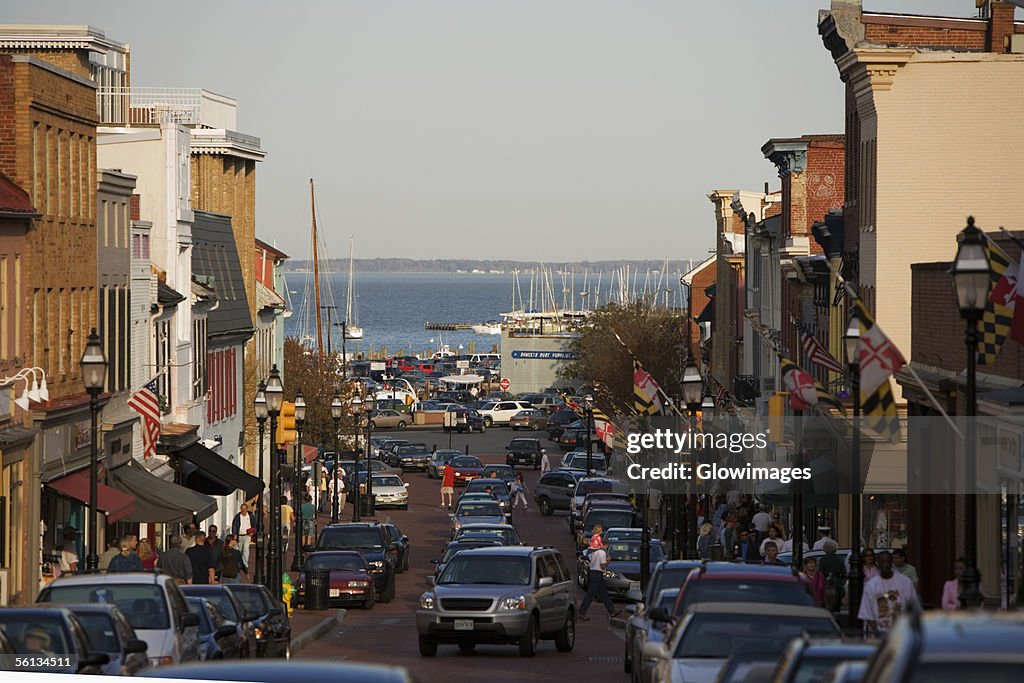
199 367
140 246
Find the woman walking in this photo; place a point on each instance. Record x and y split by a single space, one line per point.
816 579
233 566
705 540
519 492
147 555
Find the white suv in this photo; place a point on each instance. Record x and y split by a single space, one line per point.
153 604
499 412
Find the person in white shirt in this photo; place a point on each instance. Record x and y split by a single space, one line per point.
596 587
68 558
337 488
545 464
885 598
240 526
761 521
823 533
787 546
773 536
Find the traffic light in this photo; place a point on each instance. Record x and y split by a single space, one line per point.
776 417
286 433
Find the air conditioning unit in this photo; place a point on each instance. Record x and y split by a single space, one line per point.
1017 43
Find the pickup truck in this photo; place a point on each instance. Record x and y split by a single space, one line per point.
524 452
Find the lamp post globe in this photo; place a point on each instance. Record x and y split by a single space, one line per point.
274 392
693 392
94 372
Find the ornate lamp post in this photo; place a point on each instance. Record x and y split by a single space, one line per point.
356 406
972 278
336 410
856 576
300 419
94 372
693 392
371 502
588 401
260 410
274 394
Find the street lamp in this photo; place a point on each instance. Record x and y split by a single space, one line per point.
259 405
972 278
693 391
300 419
371 502
336 409
588 401
856 576
94 372
274 393
356 406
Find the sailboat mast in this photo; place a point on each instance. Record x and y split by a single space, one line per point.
316 273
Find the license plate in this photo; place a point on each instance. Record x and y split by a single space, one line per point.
634 585
335 592
463 624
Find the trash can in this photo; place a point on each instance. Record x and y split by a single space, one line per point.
318 589
366 509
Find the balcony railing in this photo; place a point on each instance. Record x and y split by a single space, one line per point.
153 106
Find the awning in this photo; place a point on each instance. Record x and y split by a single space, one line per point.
207 472
462 379
116 504
157 500
309 453
707 314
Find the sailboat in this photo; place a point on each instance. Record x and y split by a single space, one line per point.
352 329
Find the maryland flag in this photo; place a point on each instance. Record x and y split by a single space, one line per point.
605 428
804 390
997 319
879 358
645 391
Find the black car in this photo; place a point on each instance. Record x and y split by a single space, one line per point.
231 607
524 452
558 421
411 456
374 542
108 631
306 671
466 420
273 630
809 659
401 551
218 637
47 632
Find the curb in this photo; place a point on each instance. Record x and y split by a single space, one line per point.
314 633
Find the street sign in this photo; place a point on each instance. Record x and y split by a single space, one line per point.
462 364
504 384
378 366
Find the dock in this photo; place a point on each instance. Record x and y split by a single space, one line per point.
448 327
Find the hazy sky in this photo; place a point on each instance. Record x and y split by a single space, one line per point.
552 130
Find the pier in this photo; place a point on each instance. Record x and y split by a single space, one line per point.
448 327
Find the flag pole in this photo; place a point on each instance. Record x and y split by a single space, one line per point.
661 391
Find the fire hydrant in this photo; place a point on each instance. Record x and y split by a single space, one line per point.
287 592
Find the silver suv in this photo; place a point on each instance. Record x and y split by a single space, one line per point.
508 595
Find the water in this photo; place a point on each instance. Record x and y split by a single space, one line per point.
392 308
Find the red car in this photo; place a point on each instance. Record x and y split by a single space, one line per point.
467 468
351 580
732 582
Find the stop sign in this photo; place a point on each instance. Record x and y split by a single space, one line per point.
504 384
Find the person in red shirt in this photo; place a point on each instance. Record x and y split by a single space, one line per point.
447 485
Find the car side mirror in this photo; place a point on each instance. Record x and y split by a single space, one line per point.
250 616
405 539
406 484
136 645
275 612
225 630
659 614
655 650
188 620
544 581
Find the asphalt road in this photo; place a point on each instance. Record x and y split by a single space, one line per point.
387 633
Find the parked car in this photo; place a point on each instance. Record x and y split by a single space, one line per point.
514 595
152 603
388 419
233 610
218 637
400 546
522 451
467 468
533 419
554 490
558 420
477 512
376 466
500 412
499 491
438 460
53 634
371 540
578 461
387 446
571 439
747 666
467 420
506 532
455 547
411 456
742 583
273 629
390 491
109 632
809 659
306 671
505 472
588 485
577 513
350 578
622 575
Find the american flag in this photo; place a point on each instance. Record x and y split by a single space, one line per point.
146 403
815 352
722 394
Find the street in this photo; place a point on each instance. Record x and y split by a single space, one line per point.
387 633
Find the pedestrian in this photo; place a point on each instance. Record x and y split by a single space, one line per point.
125 561
241 526
771 554
147 556
728 537
447 485
324 494
337 490
216 546
833 569
519 492
189 534
596 587
308 520
900 564
596 537
68 556
746 548
761 521
773 537
787 546
816 580
287 520
705 540
654 508
545 464
202 561
951 589
823 538
886 597
721 509
867 562
113 548
777 521
231 561
176 563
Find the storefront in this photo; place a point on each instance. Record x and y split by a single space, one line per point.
15 448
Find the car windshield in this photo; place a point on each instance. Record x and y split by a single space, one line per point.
975 670
251 598
741 590
488 406
585 488
629 551
494 569
454 549
144 604
220 599
609 518
508 536
339 562
467 461
580 460
497 486
412 449
39 634
522 444
719 636
387 481
481 509
99 628
353 537
672 577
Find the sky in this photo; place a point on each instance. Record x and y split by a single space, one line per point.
554 130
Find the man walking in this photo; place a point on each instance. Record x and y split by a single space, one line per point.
216 547
240 526
886 597
900 564
337 490
823 538
447 485
761 521
176 563
125 561
746 549
202 561
545 464
596 587
113 548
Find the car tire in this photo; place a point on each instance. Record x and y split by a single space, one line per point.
369 602
428 648
483 427
565 640
405 507
487 421
581 580
528 641
467 647
388 594
627 661
401 424
536 463
545 506
458 429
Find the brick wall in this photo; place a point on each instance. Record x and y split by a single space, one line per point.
75 61
8 143
701 280
825 177
926 37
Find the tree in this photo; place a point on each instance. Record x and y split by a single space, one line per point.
319 377
654 335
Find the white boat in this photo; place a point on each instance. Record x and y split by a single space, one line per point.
487 328
352 329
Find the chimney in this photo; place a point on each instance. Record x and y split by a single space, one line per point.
1000 23
133 207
